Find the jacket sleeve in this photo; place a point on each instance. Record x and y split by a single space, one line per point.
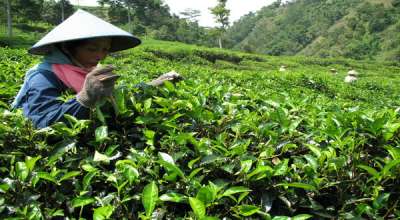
42 103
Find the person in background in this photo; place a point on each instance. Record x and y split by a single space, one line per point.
351 76
72 53
282 68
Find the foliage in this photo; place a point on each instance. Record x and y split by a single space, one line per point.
236 139
221 16
347 28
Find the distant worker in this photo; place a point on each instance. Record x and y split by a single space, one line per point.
282 68
72 52
352 72
333 71
351 76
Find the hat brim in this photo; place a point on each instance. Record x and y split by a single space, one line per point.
118 43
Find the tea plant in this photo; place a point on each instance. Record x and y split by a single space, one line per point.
236 139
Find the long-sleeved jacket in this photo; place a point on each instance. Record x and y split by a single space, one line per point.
41 100
40 95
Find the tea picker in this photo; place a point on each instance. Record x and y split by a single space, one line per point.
71 54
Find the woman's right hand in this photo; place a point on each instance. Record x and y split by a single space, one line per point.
99 83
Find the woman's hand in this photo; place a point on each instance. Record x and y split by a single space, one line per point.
170 76
99 83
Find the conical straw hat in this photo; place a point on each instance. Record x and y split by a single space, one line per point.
83 25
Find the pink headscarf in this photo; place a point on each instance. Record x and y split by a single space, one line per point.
72 76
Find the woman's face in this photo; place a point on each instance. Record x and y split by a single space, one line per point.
92 51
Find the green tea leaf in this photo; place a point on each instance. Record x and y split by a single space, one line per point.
21 170
69 175
381 201
235 189
103 212
130 172
281 168
101 133
99 157
386 169
173 197
100 114
147 105
82 201
150 197
87 179
299 185
167 161
206 194
88 168
192 162
245 166
46 176
370 170
31 162
198 207
281 218
149 134
394 152
302 217
248 210
194 172
4 188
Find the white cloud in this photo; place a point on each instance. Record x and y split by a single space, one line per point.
237 8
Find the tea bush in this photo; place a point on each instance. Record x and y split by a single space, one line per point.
234 140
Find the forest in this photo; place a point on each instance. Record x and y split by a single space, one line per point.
355 29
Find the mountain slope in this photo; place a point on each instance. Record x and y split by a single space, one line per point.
349 28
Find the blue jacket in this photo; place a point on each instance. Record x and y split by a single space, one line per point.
39 95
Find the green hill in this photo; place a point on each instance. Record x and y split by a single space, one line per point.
344 28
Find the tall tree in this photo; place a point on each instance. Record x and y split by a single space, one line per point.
9 18
54 11
221 15
191 14
62 10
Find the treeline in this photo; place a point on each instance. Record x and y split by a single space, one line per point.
358 29
150 18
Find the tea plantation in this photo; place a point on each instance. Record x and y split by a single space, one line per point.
236 139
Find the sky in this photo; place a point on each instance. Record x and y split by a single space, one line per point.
237 8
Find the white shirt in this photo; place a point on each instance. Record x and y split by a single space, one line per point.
350 79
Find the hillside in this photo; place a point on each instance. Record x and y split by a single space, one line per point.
345 28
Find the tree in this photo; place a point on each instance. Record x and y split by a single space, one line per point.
190 14
9 21
26 11
221 14
147 13
54 12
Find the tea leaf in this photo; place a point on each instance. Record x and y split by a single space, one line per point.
248 210
235 189
150 197
101 133
82 201
103 212
198 207
173 197
21 170
299 185
69 175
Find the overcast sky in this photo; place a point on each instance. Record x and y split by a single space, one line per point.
238 7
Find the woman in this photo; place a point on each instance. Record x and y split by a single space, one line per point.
72 52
